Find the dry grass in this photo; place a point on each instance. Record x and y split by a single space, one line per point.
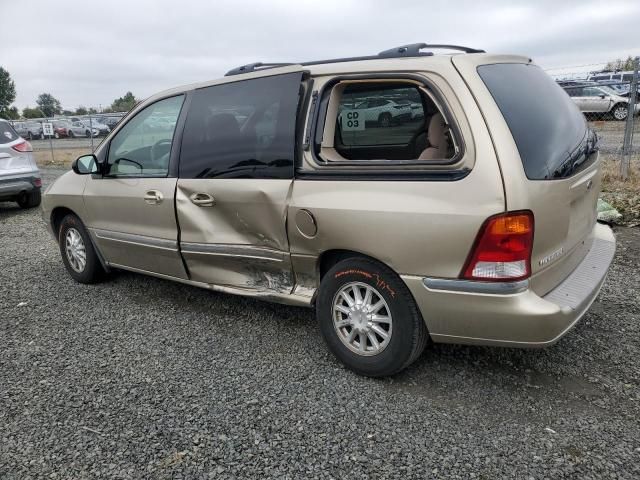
624 195
62 157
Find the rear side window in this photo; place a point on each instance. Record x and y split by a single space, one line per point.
243 129
545 123
7 133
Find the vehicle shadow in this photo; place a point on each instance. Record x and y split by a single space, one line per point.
8 209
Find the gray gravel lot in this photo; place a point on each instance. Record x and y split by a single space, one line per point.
143 378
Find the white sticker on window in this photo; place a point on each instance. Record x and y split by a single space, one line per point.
352 120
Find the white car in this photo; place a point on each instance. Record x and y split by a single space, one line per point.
79 129
95 124
381 111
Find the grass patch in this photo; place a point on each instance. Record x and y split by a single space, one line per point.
623 195
62 157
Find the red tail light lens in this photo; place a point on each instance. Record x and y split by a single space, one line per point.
23 147
37 182
502 251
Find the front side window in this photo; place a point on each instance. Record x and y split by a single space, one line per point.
388 121
143 146
592 92
244 129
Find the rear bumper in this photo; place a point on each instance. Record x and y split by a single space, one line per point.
10 187
458 312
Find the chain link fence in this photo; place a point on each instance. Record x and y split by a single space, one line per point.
610 102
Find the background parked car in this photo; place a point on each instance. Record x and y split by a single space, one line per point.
29 129
601 100
381 111
96 125
79 129
61 128
109 121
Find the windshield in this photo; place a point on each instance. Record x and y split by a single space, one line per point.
545 123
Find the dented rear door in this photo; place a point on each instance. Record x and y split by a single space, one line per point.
236 174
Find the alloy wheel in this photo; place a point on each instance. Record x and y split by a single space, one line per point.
362 319
76 252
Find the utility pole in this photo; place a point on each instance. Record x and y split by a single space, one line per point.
628 131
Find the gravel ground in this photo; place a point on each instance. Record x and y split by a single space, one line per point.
143 378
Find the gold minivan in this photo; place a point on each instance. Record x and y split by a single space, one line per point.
405 196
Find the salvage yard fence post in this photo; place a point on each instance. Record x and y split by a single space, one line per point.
627 147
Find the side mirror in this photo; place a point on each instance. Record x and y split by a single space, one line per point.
85 165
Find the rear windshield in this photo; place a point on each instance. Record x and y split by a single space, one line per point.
545 123
7 133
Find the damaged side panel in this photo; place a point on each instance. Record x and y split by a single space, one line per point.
238 239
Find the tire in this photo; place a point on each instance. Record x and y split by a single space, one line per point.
56 135
29 200
384 120
71 228
406 332
620 111
87 134
71 134
29 136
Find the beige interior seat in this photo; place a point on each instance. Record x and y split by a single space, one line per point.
437 137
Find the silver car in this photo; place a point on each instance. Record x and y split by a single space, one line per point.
79 129
592 99
19 176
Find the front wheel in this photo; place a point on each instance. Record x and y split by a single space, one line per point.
369 319
87 134
71 134
620 111
78 255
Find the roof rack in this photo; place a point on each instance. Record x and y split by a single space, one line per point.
252 67
411 50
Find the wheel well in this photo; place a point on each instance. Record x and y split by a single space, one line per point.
57 215
329 258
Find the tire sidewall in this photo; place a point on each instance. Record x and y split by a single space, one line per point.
88 275
389 286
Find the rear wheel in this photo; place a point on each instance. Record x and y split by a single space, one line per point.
368 318
620 111
29 136
29 200
87 134
384 120
78 255
71 134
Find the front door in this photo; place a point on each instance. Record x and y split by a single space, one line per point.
131 208
236 174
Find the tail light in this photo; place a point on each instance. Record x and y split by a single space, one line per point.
502 250
23 147
37 182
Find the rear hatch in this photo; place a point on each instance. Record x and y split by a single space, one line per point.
548 157
13 162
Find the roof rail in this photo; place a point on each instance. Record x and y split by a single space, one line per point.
411 50
252 67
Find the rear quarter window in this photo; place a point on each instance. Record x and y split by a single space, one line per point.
545 123
7 133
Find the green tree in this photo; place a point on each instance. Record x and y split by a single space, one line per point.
124 104
67 113
10 113
92 110
28 112
81 110
7 91
49 104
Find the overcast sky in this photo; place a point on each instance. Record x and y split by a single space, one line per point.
89 53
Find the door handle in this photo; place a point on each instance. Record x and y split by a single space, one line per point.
153 197
202 199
